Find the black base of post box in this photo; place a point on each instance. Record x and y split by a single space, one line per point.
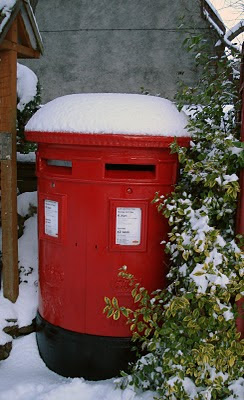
73 354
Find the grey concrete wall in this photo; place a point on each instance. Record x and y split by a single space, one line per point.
115 45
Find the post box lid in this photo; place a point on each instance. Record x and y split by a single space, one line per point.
133 115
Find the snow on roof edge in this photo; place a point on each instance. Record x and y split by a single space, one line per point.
35 26
214 11
222 34
6 8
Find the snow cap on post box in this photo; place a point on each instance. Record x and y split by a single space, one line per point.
109 113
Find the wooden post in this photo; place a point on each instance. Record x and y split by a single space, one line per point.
8 77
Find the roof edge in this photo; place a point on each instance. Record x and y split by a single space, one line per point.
34 25
13 15
214 15
15 10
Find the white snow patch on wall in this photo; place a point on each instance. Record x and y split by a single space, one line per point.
111 113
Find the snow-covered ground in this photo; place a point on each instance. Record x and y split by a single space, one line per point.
24 376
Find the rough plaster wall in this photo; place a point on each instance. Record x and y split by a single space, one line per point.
115 45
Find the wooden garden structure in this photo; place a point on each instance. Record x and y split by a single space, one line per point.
19 38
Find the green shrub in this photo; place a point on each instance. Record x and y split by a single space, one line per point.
193 348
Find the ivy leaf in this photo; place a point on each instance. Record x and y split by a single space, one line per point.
231 361
107 301
115 302
116 315
238 297
137 298
110 313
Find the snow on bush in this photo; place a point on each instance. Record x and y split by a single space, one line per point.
193 348
25 202
26 86
28 102
23 311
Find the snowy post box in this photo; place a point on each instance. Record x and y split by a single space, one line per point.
100 160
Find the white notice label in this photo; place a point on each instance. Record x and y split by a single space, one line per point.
128 226
51 218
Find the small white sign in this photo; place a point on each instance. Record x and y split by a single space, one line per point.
128 226
51 218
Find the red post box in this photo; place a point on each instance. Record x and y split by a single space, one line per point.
95 215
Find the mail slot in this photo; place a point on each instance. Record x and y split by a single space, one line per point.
130 171
95 215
